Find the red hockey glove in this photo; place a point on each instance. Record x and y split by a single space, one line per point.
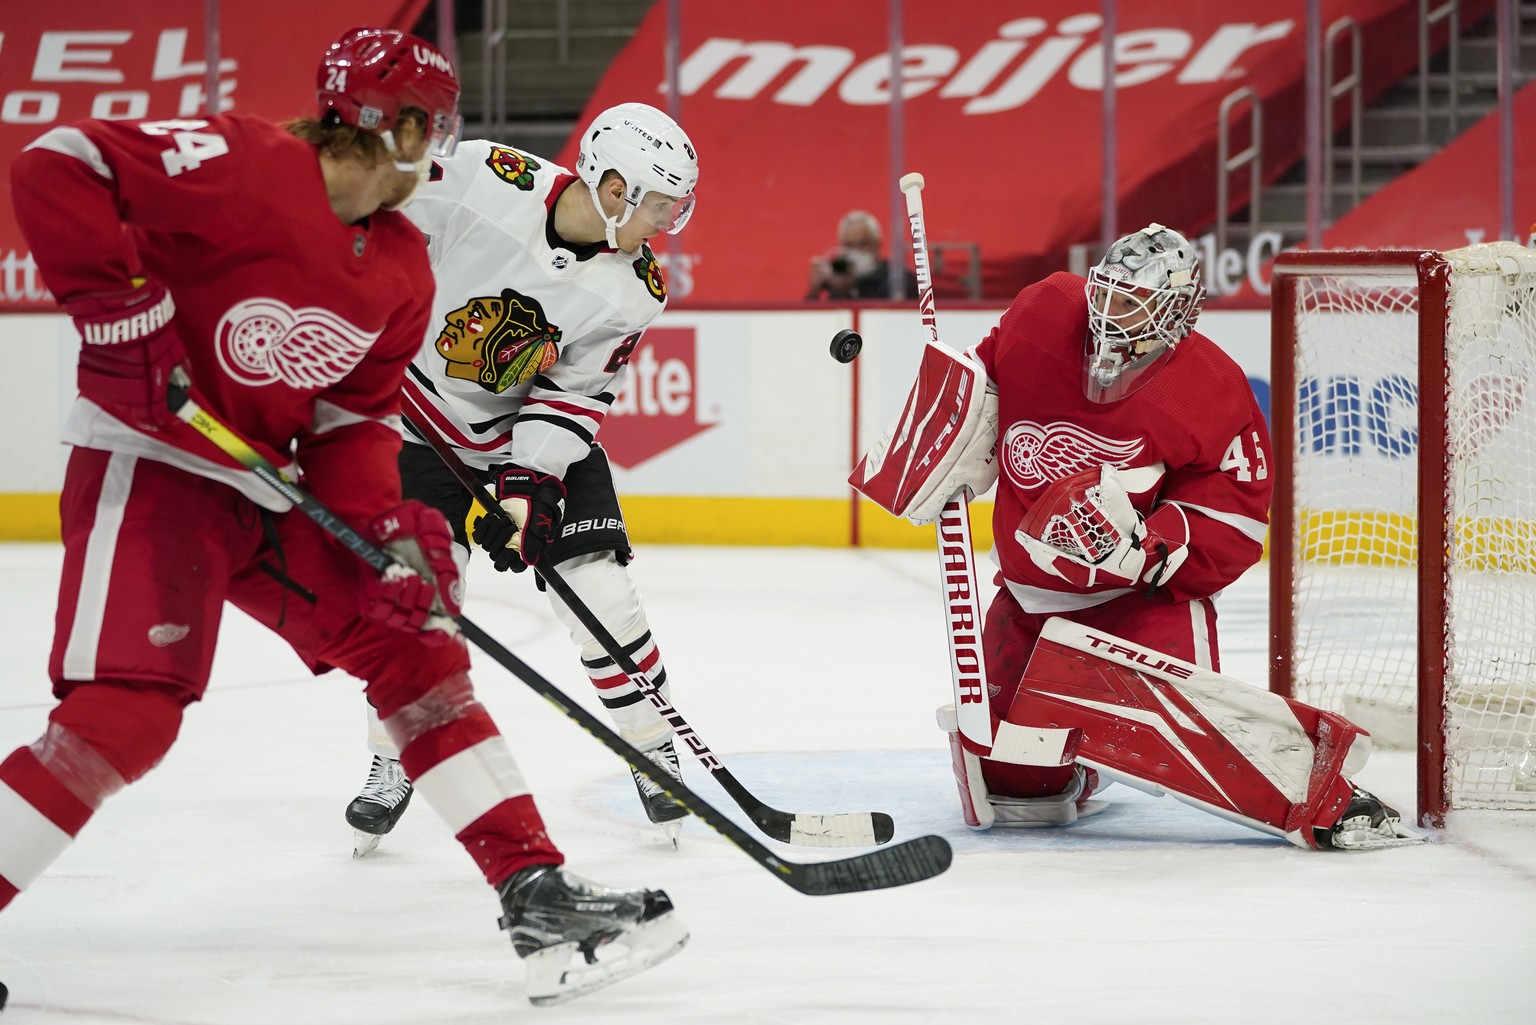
425 593
532 502
1084 530
129 348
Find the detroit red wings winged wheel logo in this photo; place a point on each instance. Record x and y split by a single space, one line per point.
499 342
265 341
1035 454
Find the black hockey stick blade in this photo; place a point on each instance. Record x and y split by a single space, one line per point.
846 829
909 862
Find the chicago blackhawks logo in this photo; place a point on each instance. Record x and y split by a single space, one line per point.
1035 455
649 271
499 342
266 341
512 167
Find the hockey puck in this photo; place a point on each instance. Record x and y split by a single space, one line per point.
846 345
3 994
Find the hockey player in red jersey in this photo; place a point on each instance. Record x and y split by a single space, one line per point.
545 285
271 265
1133 484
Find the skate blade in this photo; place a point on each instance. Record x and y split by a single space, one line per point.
363 843
560 973
673 831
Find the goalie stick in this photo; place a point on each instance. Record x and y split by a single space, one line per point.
848 829
908 862
957 556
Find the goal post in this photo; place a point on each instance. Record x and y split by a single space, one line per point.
1403 534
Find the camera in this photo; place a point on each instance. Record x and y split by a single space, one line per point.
840 265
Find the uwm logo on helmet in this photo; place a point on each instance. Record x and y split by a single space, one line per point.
657 407
1025 56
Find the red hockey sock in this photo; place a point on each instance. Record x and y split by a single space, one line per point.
39 817
466 772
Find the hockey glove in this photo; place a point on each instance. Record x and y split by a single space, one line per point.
532 502
425 593
130 347
1084 530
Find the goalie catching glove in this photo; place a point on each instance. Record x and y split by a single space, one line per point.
423 590
943 441
1085 530
532 502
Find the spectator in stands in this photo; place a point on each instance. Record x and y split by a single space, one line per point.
854 268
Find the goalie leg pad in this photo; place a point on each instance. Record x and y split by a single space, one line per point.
975 809
1063 790
944 440
1162 725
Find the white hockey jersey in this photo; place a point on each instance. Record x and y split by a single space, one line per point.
505 281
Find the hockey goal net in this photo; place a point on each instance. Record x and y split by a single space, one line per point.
1403 536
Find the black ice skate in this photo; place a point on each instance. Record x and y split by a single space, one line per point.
1366 824
660 808
376 809
575 937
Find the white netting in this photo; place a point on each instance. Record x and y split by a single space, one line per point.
1357 461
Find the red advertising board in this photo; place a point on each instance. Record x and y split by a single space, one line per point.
89 58
787 104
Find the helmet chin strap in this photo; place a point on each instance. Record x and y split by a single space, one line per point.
422 169
611 225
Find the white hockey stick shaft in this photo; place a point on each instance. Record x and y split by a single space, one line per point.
957 556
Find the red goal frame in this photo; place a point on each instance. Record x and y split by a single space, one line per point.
1432 272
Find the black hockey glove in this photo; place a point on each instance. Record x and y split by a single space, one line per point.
532 502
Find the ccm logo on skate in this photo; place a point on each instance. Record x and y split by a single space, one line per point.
1139 657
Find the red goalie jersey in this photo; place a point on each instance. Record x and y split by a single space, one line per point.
1191 447
298 327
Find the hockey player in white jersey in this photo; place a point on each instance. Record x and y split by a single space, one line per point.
545 285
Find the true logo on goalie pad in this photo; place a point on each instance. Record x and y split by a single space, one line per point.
1111 647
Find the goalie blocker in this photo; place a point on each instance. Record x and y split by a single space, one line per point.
1162 725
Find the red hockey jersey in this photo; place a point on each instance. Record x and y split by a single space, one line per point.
1191 444
298 327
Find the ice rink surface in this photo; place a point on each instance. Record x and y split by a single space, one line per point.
220 890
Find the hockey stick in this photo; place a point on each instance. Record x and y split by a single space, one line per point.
957 557
849 829
908 862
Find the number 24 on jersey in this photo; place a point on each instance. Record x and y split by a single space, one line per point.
191 147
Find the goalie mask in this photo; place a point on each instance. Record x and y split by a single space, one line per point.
1143 298
369 75
653 155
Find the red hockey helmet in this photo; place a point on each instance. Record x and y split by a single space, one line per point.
370 74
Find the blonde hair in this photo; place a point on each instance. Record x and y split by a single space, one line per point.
333 138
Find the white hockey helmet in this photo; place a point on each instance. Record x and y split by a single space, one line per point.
651 152
1143 298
